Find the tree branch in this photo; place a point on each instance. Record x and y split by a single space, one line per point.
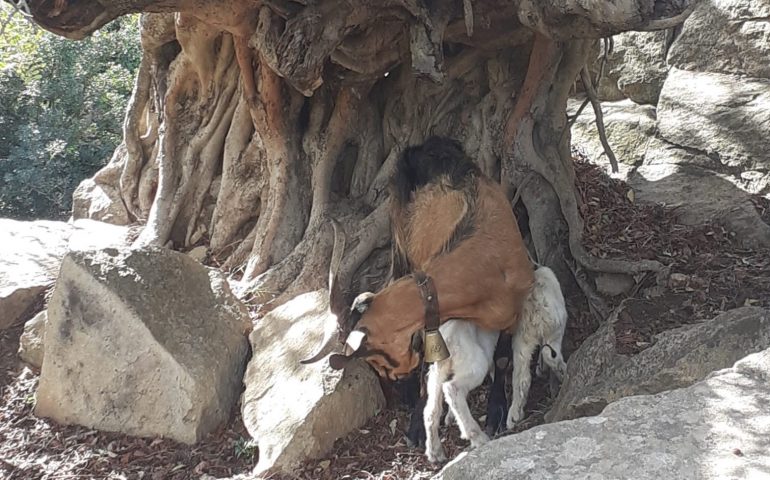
588 84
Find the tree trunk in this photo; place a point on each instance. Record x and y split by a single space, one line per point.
252 122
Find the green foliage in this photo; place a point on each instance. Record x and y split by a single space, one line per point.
245 448
61 111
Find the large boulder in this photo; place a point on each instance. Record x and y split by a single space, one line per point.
700 196
636 67
30 261
630 129
598 375
99 201
725 116
295 411
98 198
143 342
725 36
715 429
32 253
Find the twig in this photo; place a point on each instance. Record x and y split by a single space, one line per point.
591 93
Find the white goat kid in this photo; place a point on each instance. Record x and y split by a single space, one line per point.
471 355
543 320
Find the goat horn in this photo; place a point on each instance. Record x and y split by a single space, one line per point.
328 344
352 345
335 294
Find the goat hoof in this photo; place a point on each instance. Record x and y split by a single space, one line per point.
513 419
437 455
495 420
479 439
415 442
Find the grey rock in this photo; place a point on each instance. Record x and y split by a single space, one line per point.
598 376
32 340
32 253
614 284
199 253
701 196
636 67
29 264
143 342
630 128
723 116
725 36
295 411
715 429
98 198
99 201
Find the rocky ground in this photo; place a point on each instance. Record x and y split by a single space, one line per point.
710 273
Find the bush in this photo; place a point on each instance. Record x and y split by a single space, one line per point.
61 112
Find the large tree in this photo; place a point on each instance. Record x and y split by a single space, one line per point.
251 121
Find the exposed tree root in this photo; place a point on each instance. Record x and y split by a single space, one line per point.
534 120
251 123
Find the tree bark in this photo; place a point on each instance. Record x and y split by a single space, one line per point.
252 122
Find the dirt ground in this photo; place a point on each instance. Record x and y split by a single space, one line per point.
713 274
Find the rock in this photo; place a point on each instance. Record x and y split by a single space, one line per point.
32 253
597 375
723 116
636 66
715 429
99 201
32 341
296 411
95 235
725 36
701 196
630 128
199 253
29 264
678 280
142 342
614 284
98 198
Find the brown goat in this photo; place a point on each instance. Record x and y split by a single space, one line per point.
456 225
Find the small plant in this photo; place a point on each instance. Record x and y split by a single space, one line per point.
245 448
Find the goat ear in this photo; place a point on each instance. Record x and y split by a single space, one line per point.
362 302
354 342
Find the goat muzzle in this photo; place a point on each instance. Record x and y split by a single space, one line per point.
353 343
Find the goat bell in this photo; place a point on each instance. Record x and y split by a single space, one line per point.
435 347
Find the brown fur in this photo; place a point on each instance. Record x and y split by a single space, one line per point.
483 275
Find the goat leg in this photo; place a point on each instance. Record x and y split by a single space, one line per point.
415 435
432 416
497 404
521 380
457 398
409 392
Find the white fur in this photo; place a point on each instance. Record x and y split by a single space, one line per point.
544 318
471 355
